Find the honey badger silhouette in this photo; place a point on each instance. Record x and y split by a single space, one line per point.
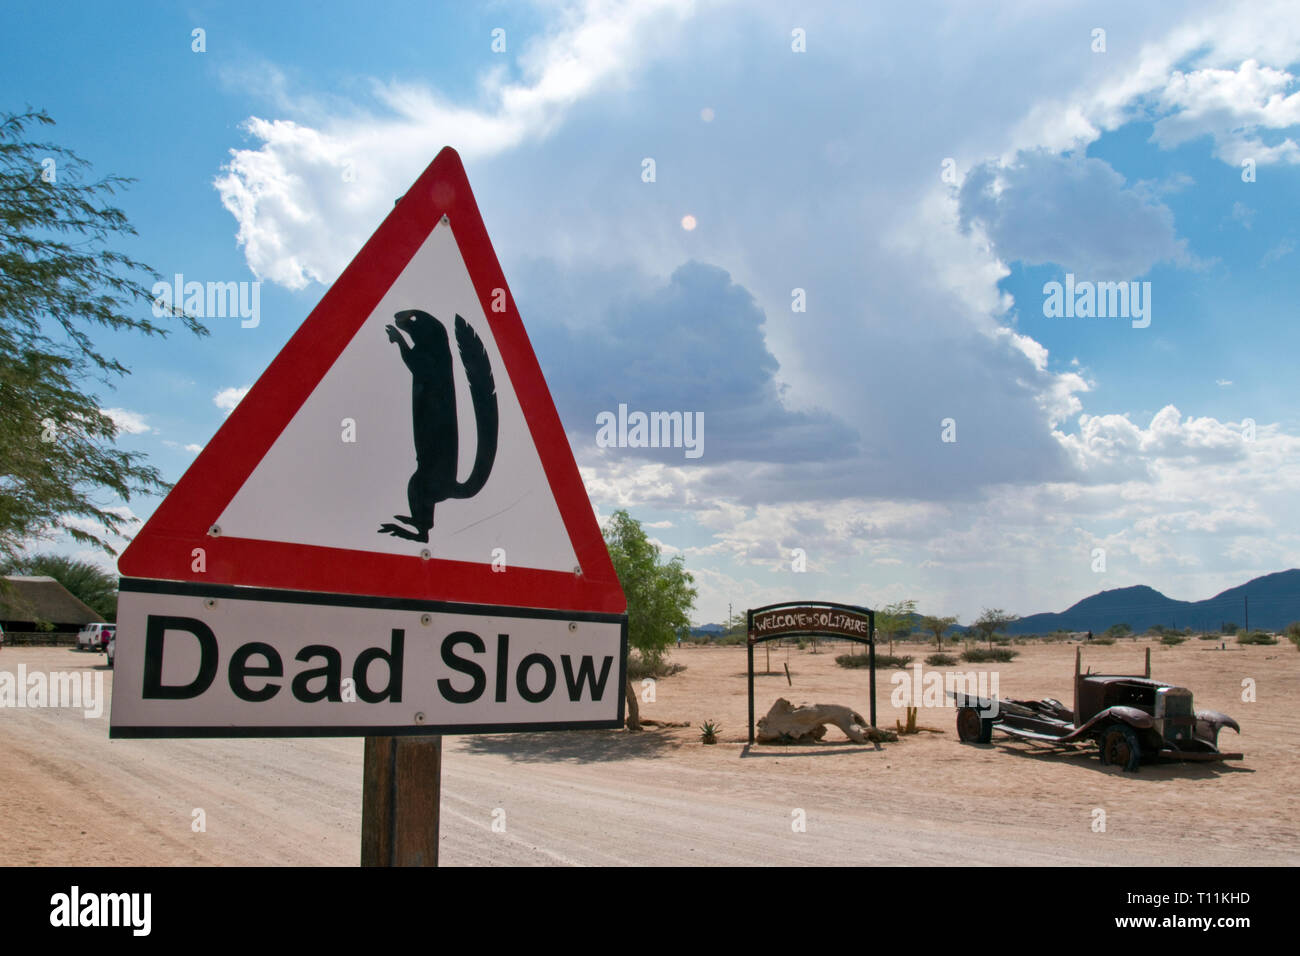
433 416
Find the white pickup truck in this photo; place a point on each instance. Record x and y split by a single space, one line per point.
95 637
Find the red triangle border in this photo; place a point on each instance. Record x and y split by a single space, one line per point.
163 549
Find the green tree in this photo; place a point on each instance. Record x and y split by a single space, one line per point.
992 621
659 594
88 583
59 281
1119 630
937 626
895 620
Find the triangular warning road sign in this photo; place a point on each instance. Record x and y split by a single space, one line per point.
402 444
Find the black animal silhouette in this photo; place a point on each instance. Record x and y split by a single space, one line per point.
433 416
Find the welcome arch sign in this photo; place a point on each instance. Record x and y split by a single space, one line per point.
811 619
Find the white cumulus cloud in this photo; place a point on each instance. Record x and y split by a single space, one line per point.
228 398
127 422
306 197
1232 106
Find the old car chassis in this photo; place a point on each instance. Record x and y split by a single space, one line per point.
1129 718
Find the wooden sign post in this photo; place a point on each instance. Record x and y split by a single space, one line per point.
400 801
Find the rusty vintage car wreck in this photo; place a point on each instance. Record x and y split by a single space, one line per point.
1129 718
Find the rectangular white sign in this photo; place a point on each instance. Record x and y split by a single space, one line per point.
223 661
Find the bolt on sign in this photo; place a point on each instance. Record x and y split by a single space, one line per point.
389 534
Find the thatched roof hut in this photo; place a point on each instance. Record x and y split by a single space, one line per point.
29 603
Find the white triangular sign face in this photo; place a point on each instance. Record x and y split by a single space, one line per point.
354 434
403 443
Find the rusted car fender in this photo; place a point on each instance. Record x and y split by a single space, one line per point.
1132 716
1210 722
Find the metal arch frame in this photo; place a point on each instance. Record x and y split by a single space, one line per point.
813 632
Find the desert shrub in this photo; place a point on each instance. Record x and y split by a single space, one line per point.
940 660
978 655
728 640
1255 637
1104 641
1208 637
864 660
1119 630
1292 633
1172 639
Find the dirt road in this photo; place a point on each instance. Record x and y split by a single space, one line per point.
69 795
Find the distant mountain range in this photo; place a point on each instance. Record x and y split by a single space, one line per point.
1272 601
708 630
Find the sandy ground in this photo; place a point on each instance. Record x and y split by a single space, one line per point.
70 796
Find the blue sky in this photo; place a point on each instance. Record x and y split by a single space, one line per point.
818 170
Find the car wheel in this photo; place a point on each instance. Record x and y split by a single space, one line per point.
972 728
1120 748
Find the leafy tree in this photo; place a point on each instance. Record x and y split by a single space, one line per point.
1119 630
58 282
937 626
87 582
895 619
991 621
659 594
